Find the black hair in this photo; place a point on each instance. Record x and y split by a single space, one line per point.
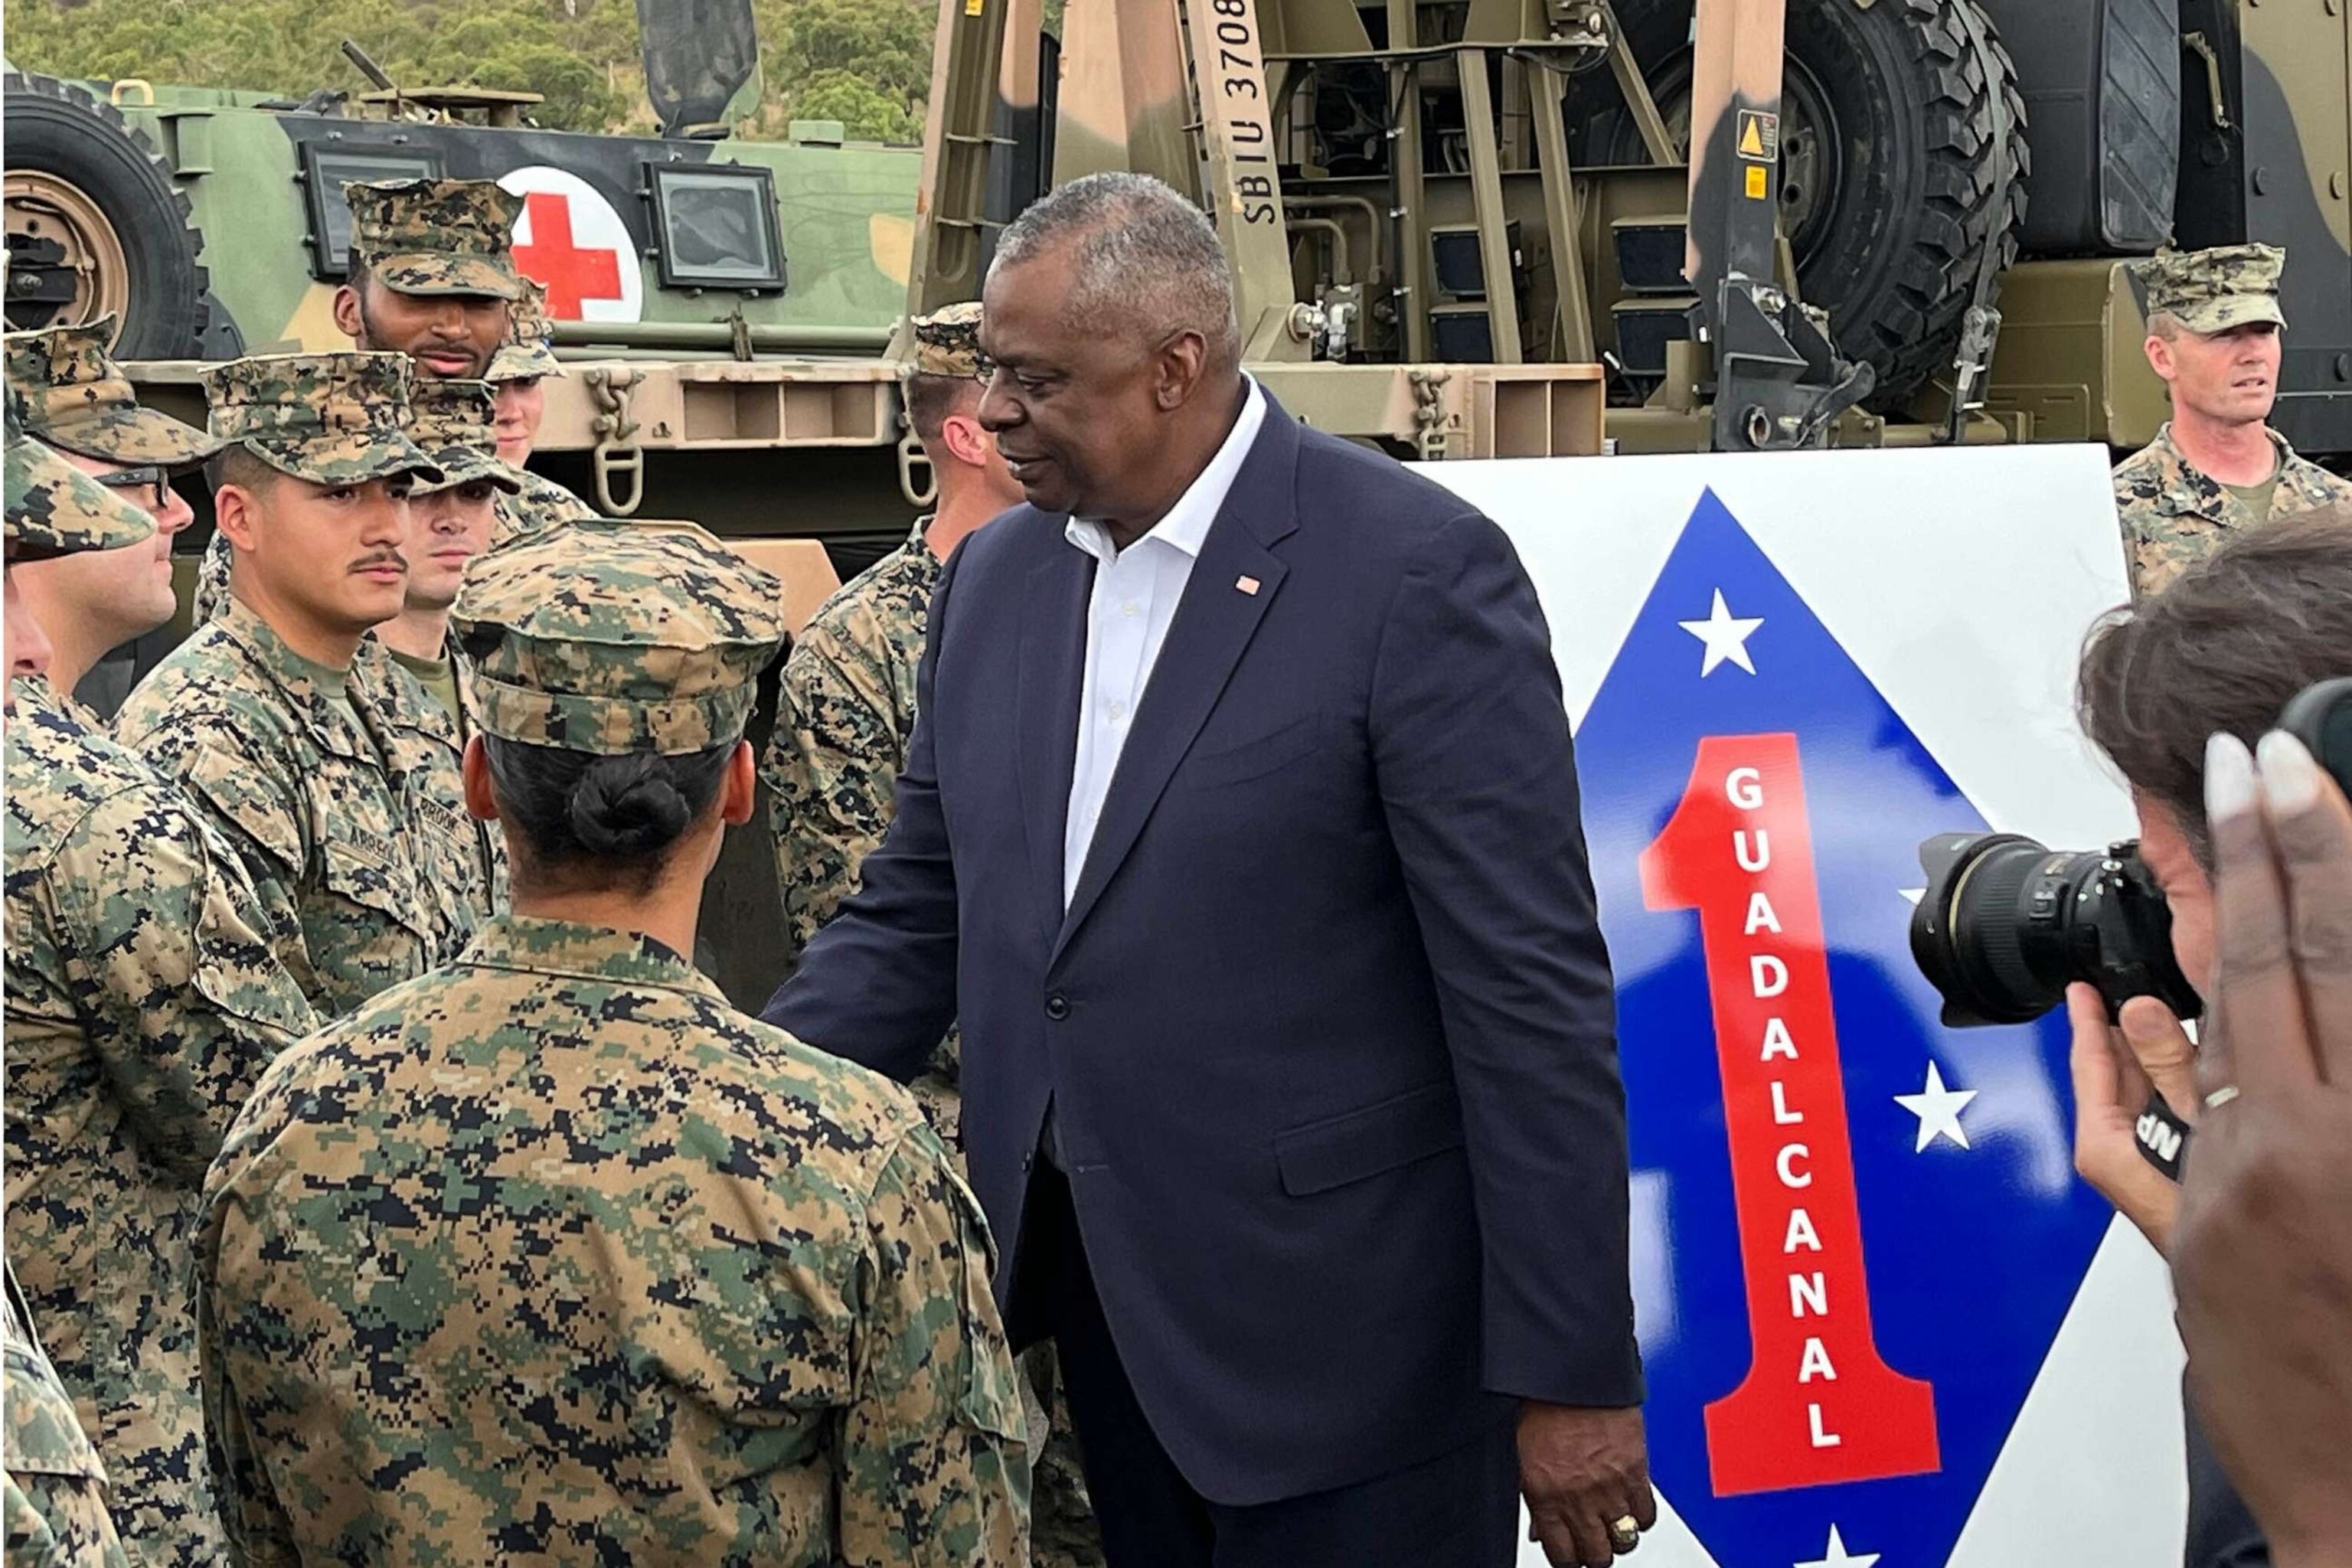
236 464
580 820
2222 650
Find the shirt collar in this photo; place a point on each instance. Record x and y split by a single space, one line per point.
1186 526
537 946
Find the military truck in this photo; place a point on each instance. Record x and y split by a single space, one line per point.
1511 183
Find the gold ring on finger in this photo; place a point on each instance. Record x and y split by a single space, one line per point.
1624 1533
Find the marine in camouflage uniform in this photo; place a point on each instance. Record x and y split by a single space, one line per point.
2172 514
143 999
451 421
339 803
52 1485
555 1256
527 356
435 237
845 712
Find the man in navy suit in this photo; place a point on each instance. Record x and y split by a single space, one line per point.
1239 828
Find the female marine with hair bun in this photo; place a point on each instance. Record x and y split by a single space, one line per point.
551 1252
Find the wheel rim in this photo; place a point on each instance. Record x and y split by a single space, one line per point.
44 211
1812 147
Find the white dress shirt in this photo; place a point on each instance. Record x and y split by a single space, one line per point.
1135 597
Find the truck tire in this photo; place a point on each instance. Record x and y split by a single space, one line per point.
1889 163
85 190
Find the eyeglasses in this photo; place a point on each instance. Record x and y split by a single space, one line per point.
156 482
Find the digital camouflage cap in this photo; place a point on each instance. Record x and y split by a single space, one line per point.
947 343
55 509
452 420
437 237
77 398
526 353
332 419
618 637
2214 291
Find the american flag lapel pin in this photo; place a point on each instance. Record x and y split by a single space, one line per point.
1246 584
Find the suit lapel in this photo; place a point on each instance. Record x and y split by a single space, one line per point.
1051 671
1213 624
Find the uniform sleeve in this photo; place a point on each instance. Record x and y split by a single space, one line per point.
260 1534
171 961
934 1456
832 763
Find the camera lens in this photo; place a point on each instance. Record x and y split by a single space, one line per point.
2007 924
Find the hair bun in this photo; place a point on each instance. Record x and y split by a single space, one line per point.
626 807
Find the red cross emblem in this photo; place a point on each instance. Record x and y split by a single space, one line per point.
571 275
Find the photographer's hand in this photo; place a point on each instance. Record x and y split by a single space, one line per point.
2112 1070
2263 1261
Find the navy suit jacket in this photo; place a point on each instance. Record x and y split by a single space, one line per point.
1327 1027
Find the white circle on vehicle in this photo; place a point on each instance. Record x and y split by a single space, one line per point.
569 239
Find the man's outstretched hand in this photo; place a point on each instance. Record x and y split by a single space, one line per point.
1581 1469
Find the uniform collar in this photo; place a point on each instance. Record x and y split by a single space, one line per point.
2196 491
300 678
535 946
918 542
35 695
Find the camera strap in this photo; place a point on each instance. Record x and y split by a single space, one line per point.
2162 1137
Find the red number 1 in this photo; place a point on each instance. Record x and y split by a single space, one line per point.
1818 1403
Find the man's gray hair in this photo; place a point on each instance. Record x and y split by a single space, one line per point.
1146 261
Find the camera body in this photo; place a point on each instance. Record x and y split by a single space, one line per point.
2007 924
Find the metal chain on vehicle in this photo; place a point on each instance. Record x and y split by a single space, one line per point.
1429 432
617 451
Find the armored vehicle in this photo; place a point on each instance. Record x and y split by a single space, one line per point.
210 222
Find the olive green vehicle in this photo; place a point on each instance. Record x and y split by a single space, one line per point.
691 275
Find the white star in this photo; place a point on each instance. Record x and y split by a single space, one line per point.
1837 1556
1938 1111
1726 635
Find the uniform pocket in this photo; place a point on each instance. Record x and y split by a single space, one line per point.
991 1402
43 1436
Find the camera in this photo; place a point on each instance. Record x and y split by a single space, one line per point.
2007 924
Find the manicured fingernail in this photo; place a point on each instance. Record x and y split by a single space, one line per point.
2290 776
2229 777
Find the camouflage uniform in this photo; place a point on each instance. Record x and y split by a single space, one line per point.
555 1256
2172 515
143 1000
358 826
544 504
52 1486
53 1496
451 420
846 713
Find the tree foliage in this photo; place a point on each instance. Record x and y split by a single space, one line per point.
863 62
